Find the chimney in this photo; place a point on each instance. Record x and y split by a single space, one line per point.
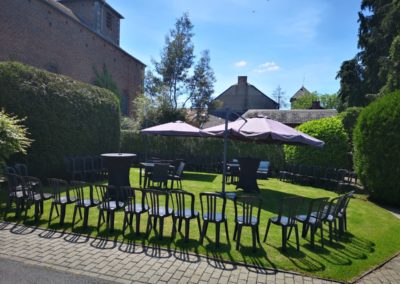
242 80
316 105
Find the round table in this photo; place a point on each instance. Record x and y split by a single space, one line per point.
118 165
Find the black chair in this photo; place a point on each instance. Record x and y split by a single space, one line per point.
263 170
59 186
247 214
21 169
135 205
286 219
313 219
89 169
331 215
183 209
213 211
342 212
177 176
110 203
15 193
33 195
159 209
78 168
85 201
159 175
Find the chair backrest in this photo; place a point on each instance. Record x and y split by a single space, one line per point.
334 206
97 163
180 168
78 187
247 207
288 208
58 186
88 164
212 203
263 166
133 197
10 170
14 182
21 169
157 200
160 172
182 201
32 186
316 208
345 201
106 196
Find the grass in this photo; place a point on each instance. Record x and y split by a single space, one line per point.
373 233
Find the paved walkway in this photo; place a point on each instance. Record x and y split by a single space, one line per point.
126 262
388 273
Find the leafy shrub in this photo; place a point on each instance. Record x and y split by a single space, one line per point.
13 136
64 116
198 150
349 119
333 154
377 148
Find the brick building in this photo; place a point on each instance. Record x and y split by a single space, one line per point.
241 97
70 37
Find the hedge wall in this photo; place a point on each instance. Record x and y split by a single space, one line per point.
333 154
64 116
198 151
377 148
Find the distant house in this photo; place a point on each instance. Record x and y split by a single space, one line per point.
292 117
301 92
241 97
73 38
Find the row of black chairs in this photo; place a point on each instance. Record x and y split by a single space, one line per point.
88 168
178 204
330 178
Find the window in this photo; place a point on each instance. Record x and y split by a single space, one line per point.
109 20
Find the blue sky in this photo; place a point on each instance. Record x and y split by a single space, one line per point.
273 42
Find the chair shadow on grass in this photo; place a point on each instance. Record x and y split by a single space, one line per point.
199 177
186 251
253 260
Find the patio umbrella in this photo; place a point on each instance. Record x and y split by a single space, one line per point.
177 128
260 130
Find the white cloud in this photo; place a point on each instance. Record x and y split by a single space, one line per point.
241 63
267 67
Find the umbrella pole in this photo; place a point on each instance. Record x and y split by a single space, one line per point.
225 151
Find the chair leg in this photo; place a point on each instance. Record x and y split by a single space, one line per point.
99 219
161 227
51 212
254 235
37 210
73 216
112 215
203 233
239 234
330 232
137 224
85 217
322 235
226 231
217 233
296 229
173 227
198 223
235 232
125 223
267 230
58 213
148 227
187 227
180 225
312 232
258 235
284 237
62 215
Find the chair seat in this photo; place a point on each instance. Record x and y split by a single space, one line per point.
218 217
16 194
253 221
88 203
161 212
112 205
138 208
187 214
284 221
301 218
63 200
47 196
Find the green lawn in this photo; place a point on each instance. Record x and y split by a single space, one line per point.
373 233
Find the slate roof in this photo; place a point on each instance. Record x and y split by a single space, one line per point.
302 91
292 117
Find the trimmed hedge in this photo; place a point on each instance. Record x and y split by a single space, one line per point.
377 148
198 151
333 154
65 117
